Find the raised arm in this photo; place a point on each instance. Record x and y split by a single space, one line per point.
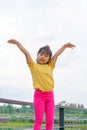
68 45
25 52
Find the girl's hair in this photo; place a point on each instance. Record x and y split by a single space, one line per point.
46 50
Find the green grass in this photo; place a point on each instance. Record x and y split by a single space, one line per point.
16 124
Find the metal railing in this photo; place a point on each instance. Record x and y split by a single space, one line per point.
61 116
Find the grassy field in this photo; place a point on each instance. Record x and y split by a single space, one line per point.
16 124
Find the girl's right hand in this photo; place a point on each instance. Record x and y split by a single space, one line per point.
12 41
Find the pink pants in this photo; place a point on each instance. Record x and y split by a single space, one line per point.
43 103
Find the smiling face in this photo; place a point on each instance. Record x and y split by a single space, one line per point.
44 55
42 58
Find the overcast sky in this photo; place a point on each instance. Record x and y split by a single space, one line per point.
36 23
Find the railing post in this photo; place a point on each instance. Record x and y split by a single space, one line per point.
61 118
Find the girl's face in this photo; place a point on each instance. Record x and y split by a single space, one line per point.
42 58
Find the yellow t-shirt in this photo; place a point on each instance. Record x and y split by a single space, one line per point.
42 76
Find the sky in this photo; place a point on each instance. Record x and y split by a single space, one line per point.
35 23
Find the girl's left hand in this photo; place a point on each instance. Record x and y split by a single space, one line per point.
69 45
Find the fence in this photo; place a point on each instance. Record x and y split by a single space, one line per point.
61 118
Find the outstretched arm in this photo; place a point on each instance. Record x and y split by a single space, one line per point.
26 53
68 45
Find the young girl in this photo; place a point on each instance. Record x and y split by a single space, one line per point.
43 83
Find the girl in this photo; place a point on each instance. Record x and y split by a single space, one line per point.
43 83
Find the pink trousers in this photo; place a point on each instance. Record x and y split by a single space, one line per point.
43 103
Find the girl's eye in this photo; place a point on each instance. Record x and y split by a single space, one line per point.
41 54
46 55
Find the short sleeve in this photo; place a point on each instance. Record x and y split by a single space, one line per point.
31 64
52 65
